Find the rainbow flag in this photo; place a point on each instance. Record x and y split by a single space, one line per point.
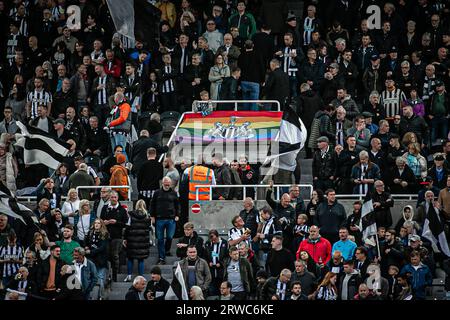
228 126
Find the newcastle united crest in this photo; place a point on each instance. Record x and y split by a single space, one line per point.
231 131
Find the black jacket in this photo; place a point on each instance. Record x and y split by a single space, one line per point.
194 240
414 124
324 168
279 211
98 250
394 257
132 294
162 286
407 175
119 214
223 176
149 175
330 218
43 272
97 139
277 86
270 288
252 66
312 72
308 104
383 216
216 272
137 235
139 152
62 100
352 285
308 281
165 204
279 260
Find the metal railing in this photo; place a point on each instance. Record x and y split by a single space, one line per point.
235 102
361 197
112 187
276 186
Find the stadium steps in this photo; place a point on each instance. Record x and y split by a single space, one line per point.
119 289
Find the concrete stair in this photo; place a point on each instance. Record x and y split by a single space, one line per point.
120 288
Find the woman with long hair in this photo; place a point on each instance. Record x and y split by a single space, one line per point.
216 75
311 265
196 293
71 205
40 247
316 198
96 245
137 239
327 289
415 161
83 221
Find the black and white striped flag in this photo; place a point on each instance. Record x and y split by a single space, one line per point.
10 207
291 140
433 230
135 19
177 290
368 226
41 148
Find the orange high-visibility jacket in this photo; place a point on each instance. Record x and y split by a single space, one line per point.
199 175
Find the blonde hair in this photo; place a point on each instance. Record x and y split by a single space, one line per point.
73 190
83 203
141 206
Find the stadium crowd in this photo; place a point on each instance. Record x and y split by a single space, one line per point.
374 102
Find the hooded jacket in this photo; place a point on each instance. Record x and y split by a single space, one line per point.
119 177
137 235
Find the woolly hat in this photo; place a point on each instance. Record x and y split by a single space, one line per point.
120 158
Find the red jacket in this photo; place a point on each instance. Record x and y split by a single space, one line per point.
116 68
320 249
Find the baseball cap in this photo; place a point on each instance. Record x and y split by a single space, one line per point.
367 114
414 238
374 57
